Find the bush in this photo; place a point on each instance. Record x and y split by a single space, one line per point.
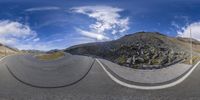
121 60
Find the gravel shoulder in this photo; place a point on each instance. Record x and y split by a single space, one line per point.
148 76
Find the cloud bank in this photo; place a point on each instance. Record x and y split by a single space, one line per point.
195 30
108 20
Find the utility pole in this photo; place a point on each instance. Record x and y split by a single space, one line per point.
5 51
191 58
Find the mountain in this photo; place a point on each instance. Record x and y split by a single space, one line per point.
140 50
6 50
34 52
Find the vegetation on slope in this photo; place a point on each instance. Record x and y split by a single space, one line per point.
50 56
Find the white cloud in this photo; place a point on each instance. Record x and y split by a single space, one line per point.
108 19
36 39
12 32
92 35
17 35
7 41
182 18
42 8
195 30
21 36
173 23
14 29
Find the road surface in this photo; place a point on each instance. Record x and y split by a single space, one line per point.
96 85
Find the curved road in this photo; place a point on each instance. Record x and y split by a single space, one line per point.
96 85
49 74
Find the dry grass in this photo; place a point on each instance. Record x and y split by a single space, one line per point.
195 59
51 56
196 48
5 54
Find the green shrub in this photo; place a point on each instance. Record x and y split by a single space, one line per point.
121 60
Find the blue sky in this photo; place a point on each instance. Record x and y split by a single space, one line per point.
58 24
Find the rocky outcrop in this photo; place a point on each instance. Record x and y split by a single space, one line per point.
138 50
142 56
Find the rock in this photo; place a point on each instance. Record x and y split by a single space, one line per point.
139 60
133 60
128 61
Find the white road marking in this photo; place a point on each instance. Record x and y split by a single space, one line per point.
6 57
148 87
3 58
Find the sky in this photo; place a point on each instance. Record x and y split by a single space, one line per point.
58 24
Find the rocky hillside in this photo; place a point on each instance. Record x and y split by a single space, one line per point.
6 50
139 50
33 52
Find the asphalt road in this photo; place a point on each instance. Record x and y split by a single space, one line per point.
49 74
96 85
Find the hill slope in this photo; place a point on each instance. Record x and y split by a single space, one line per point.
6 50
139 50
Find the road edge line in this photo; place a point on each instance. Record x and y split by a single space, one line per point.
3 58
148 87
